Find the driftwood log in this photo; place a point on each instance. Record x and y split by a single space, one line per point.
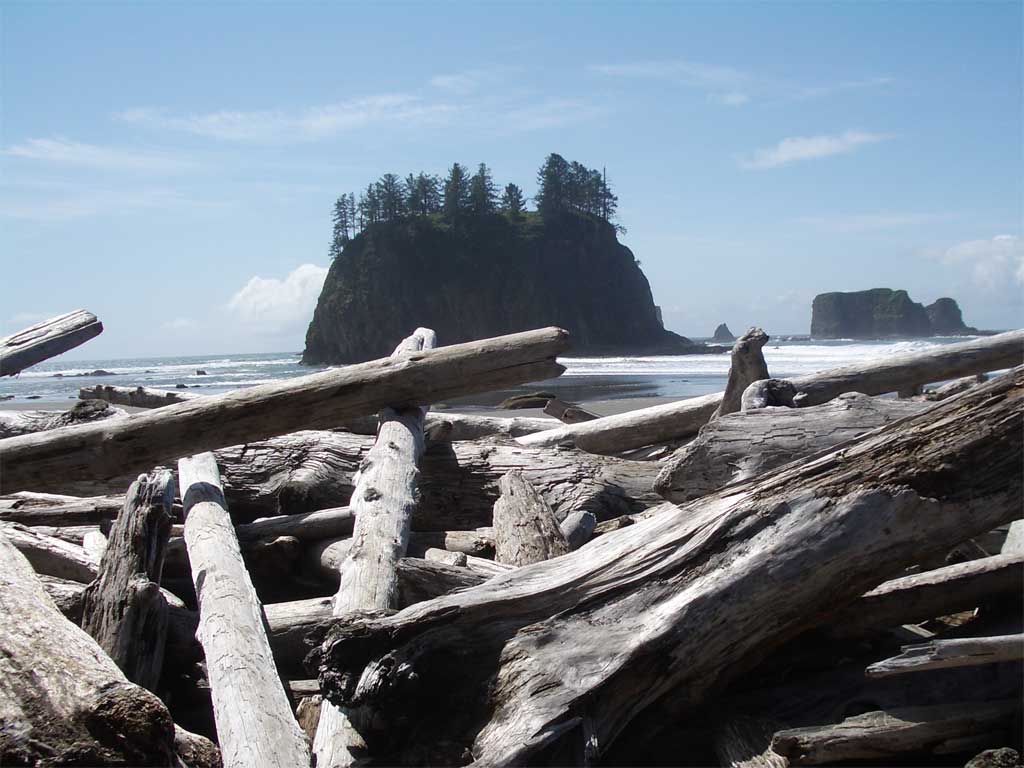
382 503
574 648
255 725
14 423
670 421
743 445
525 529
746 367
44 460
136 397
945 654
49 555
51 509
47 339
123 609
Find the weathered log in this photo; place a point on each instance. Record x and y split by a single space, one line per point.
136 397
46 339
62 699
123 608
926 595
746 367
567 413
29 509
742 741
435 555
743 445
109 449
887 734
255 725
1003 757
955 387
577 528
680 602
766 393
670 421
94 544
49 555
944 654
487 568
382 502
525 529
13 423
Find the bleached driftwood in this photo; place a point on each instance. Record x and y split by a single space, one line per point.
944 654
124 610
255 725
576 647
661 423
743 445
567 413
382 503
14 423
61 696
525 529
94 544
42 461
886 734
742 741
435 555
49 555
136 397
46 339
49 509
746 367
926 595
955 387
577 528
768 392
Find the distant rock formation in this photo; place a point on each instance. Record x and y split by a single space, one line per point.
723 335
486 276
883 313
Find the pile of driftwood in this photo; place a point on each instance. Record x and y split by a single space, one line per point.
789 572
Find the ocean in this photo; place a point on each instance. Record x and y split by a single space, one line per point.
585 378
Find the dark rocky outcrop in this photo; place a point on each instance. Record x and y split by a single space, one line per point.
882 313
486 276
723 335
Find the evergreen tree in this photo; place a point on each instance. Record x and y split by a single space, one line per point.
353 213
342 225
512 200
456 191
369 207
553 185
609 201
482 191
422 194
392 200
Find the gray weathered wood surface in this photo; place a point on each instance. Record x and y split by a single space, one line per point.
946 654
49 555
255 725
123 609
46 339
746 367
14 423
136 397
669 421
525 529
675 604
41 461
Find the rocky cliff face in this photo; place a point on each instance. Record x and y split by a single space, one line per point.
882 313
486 276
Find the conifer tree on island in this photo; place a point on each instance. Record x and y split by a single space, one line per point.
456 191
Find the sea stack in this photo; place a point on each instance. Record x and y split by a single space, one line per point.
882 313
723 335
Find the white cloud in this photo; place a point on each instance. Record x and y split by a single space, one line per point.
545 114
819 91
798 148
730 99
277 306
60 151
868 222
308 123
461 83
71 202
994 263
691 72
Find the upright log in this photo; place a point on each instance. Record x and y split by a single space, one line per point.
46 339
681 602
255 725
123 609
43 460
670 421
747 366
525 529
382 502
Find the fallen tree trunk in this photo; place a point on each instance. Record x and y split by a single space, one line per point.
51 556
670 421
28 509
747 366
884 735
525 529
47 339
743 445
254 721
567 413
14 423
680 602
123 608
945 654
110 449
136 397
62 699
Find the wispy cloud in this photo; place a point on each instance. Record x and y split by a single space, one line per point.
994 263
820 91
691 72
68 202
853 223
730 99
270 305
549 113
64 152
308 123
799 148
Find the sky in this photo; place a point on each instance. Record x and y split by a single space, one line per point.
172 166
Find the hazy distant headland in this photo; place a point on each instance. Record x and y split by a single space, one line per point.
455 256
882 313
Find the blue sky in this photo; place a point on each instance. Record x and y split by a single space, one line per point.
172 166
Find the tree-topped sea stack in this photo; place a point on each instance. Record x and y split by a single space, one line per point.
449 255
883 313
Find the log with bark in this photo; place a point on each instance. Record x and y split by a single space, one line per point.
670 421
44 460
46 339
255 725
123 608
14 423
746 367
743 445
678 604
